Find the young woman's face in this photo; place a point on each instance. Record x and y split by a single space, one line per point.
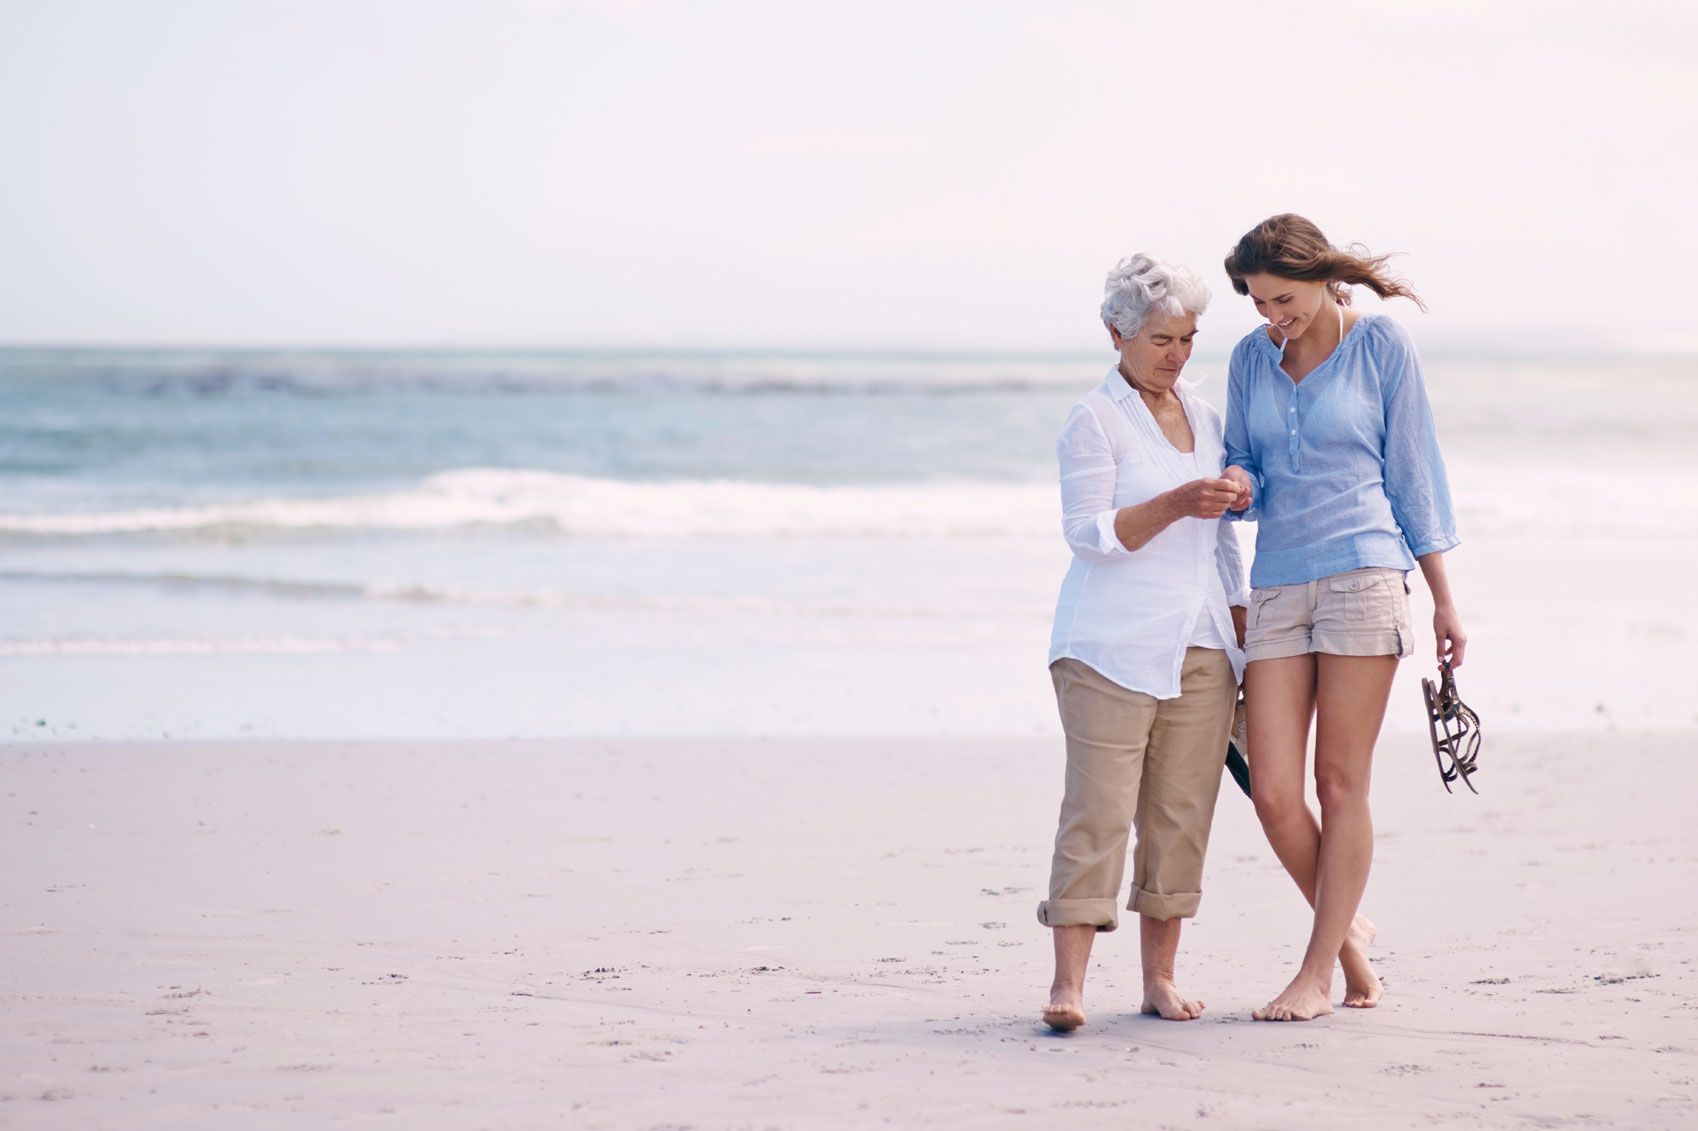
1154 356
1290 305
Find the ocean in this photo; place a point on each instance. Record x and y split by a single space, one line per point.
334 544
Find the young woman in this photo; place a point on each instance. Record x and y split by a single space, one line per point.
1329 428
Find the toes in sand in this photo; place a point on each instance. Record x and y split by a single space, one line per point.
1163 999
1300 1001
1064 1015
1362 987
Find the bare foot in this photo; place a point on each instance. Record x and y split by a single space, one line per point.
1163 998
1302 1000
1362 987
1065 1011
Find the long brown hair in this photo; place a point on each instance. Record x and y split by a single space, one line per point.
1291 247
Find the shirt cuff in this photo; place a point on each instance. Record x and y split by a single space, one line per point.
1253 512
1441 544
1239 600
1107 541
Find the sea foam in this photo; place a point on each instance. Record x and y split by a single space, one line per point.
589 507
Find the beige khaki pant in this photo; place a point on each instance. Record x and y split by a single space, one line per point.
1137 761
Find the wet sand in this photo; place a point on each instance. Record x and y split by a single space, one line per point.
804 933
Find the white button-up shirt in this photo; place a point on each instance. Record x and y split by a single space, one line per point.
1130 614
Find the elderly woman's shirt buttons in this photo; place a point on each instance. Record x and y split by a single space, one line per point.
1132 616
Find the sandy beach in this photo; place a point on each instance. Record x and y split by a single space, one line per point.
530 535
805 933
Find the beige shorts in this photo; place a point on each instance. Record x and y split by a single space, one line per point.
1137 761
1364 612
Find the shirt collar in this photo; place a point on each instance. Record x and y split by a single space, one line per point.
1119 388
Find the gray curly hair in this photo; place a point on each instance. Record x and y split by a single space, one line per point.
1141 285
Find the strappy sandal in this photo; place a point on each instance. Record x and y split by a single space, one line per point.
1237 747
1455 728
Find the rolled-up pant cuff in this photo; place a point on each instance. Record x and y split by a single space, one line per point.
1393 642
1278 649
1181 905
1099 913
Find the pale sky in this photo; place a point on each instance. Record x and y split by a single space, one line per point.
796 174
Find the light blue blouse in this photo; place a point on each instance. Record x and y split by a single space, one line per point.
1346 461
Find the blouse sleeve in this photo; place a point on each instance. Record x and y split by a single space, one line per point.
1087 488
1237 432
1229 559
1414 469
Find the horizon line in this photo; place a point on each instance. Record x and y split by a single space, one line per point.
1456 347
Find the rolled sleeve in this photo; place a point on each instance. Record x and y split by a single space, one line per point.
1108 542
1087 488
1416 484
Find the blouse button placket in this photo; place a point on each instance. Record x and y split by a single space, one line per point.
1291 417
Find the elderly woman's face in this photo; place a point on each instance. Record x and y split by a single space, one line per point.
1153 357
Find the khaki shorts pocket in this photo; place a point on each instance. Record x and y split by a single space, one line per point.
1354 594
1260 599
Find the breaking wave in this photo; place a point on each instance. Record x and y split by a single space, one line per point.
578 506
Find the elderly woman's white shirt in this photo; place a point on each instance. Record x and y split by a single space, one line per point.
1130 614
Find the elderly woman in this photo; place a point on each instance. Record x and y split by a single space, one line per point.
1145 654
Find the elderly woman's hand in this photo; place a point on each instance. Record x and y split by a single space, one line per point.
1246 486
1204 498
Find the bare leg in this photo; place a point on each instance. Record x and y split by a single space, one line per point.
1066 1009
1281 701
1351 694
1159 941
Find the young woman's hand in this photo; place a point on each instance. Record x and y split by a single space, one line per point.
1447 629
1246 487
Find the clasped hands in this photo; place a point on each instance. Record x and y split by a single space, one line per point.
1211 498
